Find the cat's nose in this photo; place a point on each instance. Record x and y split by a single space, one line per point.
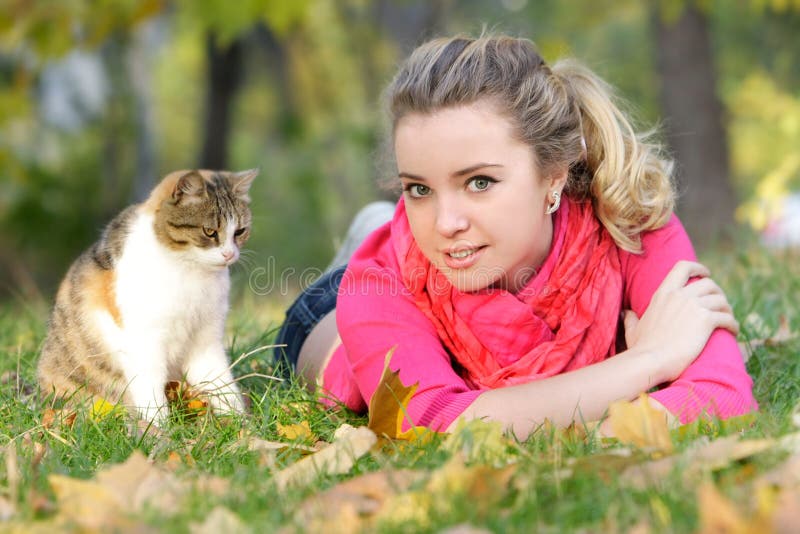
228 255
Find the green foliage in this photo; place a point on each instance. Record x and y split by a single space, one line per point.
308 110
52 28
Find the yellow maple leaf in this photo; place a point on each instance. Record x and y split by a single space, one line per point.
388 408
301 431
640 424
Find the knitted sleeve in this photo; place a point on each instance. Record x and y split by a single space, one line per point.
375 313
716 383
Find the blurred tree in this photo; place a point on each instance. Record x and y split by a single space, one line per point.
224 74
693 119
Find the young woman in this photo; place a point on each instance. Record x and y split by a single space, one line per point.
532 268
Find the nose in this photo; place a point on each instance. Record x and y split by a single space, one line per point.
451 217
228 254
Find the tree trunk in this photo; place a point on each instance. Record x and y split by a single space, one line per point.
224 75
693 120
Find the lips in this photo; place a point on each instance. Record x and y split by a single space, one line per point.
462 258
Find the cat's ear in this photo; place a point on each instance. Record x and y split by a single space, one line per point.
241 181
190 185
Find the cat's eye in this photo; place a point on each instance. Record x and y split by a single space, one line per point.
240 231
210 232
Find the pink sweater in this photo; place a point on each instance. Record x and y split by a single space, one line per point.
375 313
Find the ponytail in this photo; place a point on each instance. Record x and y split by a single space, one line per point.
629 181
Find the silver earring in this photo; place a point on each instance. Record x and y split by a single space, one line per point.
556 203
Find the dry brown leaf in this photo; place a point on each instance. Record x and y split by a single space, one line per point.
785 475
640 424
388 408
481 485
349 445
87 503
699 458
718 515
297 431
51 417
351 505
786 516
107 501
186 399
219 521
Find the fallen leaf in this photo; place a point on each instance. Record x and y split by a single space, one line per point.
87 503
349 445
219 520
108 501
258 444
185 399
177 459
717 513
388 407
702 456
297 431
786 516
102 409
481 441
197 407
481 486
351 505
638 423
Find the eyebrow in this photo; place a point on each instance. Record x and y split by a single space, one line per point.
457 174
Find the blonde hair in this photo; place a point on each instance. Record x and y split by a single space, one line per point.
553 110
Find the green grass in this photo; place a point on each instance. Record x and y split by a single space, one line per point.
539 496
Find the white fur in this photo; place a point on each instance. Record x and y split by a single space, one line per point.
173 306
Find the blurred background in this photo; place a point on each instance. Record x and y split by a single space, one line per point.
99 99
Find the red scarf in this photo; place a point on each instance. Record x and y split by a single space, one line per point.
564 318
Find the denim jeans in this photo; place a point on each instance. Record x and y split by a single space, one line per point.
314 303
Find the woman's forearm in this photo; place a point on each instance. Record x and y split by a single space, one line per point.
580 395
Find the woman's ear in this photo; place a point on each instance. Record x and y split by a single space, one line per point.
558 178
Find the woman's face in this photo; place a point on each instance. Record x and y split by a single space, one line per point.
474 197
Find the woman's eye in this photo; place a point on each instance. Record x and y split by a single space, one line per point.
210 232
480 183
239 232
418 190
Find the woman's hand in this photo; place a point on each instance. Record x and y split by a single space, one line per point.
680 319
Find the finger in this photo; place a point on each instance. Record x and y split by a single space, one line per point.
715 303
726 321
702 286
630 320
681 272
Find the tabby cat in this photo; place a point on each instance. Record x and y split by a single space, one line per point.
146 304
